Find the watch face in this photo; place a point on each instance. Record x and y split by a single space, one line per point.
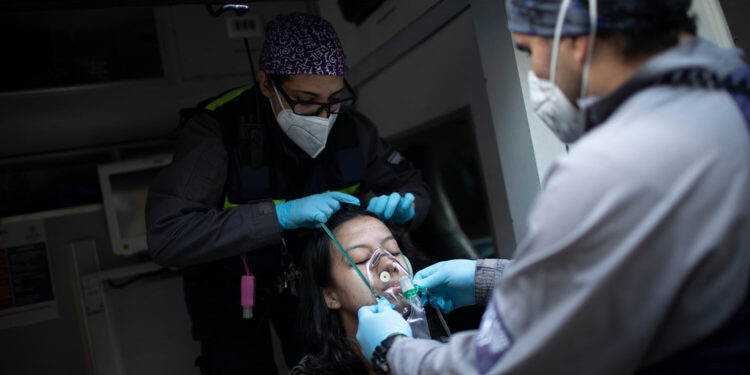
383 369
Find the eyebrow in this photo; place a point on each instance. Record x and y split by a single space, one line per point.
384 240
314 94
523 48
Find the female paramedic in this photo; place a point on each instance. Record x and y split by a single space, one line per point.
254 169
637 258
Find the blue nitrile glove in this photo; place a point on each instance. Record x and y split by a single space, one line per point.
393 208
311 210
376 323
451 283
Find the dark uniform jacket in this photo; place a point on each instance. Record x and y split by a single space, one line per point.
227 155
185 217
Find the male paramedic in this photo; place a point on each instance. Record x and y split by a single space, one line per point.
254 168
638 253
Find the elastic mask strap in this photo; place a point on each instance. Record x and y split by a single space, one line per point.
277 96
556 41
328 231
590 50
411 275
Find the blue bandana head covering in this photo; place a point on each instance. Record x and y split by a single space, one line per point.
538 17
301 43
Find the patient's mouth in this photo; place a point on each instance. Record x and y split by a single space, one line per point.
394 288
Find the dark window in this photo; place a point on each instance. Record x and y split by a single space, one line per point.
44 49
458 224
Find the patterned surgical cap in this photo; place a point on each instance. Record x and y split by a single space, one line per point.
301 43
537 17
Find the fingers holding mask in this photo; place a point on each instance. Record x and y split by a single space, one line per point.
451 283
377 322
428 277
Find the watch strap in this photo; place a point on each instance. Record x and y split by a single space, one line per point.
379 356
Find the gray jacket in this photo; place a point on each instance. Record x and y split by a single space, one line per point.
638 243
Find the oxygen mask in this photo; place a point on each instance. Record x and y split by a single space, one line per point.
384 273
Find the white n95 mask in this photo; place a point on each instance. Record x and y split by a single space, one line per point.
554 109
547 100
310 133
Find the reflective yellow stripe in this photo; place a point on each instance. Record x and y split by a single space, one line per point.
224 99
227 204
347 190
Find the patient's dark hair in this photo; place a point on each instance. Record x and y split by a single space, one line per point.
325 339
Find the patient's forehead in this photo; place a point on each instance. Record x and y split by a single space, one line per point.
362 228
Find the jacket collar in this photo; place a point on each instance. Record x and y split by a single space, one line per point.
695 54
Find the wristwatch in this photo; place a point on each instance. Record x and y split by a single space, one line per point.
379 360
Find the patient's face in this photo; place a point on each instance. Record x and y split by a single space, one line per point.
359 237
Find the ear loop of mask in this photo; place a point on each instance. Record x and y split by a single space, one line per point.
411 275
281 104
338 244
593 14
589 49
556 40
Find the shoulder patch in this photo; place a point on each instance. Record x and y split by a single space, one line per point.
395 158
493 338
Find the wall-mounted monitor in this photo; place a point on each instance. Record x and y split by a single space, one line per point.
124 188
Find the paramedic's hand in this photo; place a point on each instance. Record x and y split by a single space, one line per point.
376 323
451 283
393 208
310 211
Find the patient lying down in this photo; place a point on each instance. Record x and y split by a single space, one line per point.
332 291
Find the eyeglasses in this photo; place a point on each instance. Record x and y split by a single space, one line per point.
311 108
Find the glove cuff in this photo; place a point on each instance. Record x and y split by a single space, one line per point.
282 209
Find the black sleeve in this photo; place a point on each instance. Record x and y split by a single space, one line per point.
386 170
184 217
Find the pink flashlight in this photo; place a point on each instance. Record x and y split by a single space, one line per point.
247 291
248 296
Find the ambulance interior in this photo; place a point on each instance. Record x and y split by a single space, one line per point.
92 96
